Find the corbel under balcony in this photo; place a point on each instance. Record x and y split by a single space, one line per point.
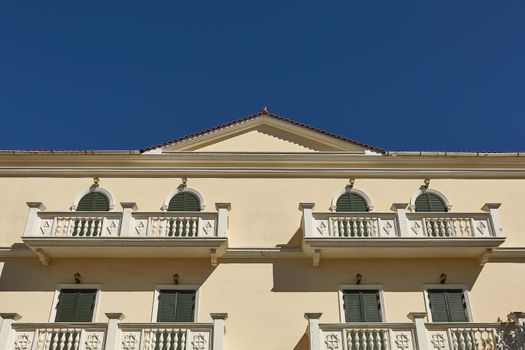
399 234
126 234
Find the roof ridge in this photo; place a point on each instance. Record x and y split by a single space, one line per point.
263 112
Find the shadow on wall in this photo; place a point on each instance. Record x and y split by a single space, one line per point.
113 274
395 275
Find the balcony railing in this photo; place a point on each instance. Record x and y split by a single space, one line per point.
342 232
108 234
417 335
112 335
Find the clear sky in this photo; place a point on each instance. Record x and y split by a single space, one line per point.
402 75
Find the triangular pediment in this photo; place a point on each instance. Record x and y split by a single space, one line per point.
263 133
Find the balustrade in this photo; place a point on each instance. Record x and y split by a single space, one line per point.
417 335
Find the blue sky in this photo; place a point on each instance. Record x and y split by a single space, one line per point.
402 75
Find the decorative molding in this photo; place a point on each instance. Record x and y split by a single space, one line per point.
182 189
422 190
349 189
94 189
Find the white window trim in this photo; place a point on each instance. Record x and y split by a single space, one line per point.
94 189
160 287
181 189
61 286
378 287
348 189
463 287
423 190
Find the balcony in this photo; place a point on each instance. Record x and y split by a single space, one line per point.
126 234
399 234
111 335
417 335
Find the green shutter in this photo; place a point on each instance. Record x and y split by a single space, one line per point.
75 305
456 306
184 201
351 202
428 202
176 306
361 306
93 201
447 305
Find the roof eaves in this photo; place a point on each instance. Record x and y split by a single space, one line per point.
264 112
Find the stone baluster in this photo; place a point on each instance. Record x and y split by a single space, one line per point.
218 330
401 219
222 218
421 332
112 332
6 328
493 209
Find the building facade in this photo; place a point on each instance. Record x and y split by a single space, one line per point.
262 233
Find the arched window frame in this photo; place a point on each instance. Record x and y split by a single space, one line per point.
181 190
424 190
368 202
94 189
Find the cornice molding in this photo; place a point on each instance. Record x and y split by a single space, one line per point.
325 164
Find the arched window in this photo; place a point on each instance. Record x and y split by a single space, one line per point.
429 202
351 201
93 201
184 201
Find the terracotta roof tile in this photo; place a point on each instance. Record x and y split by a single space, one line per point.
264 112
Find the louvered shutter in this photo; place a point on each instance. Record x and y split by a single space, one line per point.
456 306
352 306
93 201
184 201
75 305
351 202
447 305
428 202
176 306
370 306
361 306
185 306
438 305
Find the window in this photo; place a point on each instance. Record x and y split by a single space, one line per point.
176 305
361 305
448 305
75 305
429 202
350 201
184 201
93 201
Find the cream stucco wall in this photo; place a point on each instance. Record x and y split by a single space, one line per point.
265 299
264 211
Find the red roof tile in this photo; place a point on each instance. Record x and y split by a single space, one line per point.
264 112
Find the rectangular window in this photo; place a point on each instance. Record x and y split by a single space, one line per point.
447 305
75 305
176 306
362 305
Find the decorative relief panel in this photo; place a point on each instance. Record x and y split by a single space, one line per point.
199 341
417 228
111 228
24 341
141 227
388 228
439 340
208 227
130 341
46 226
93 341
322 228
332 341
